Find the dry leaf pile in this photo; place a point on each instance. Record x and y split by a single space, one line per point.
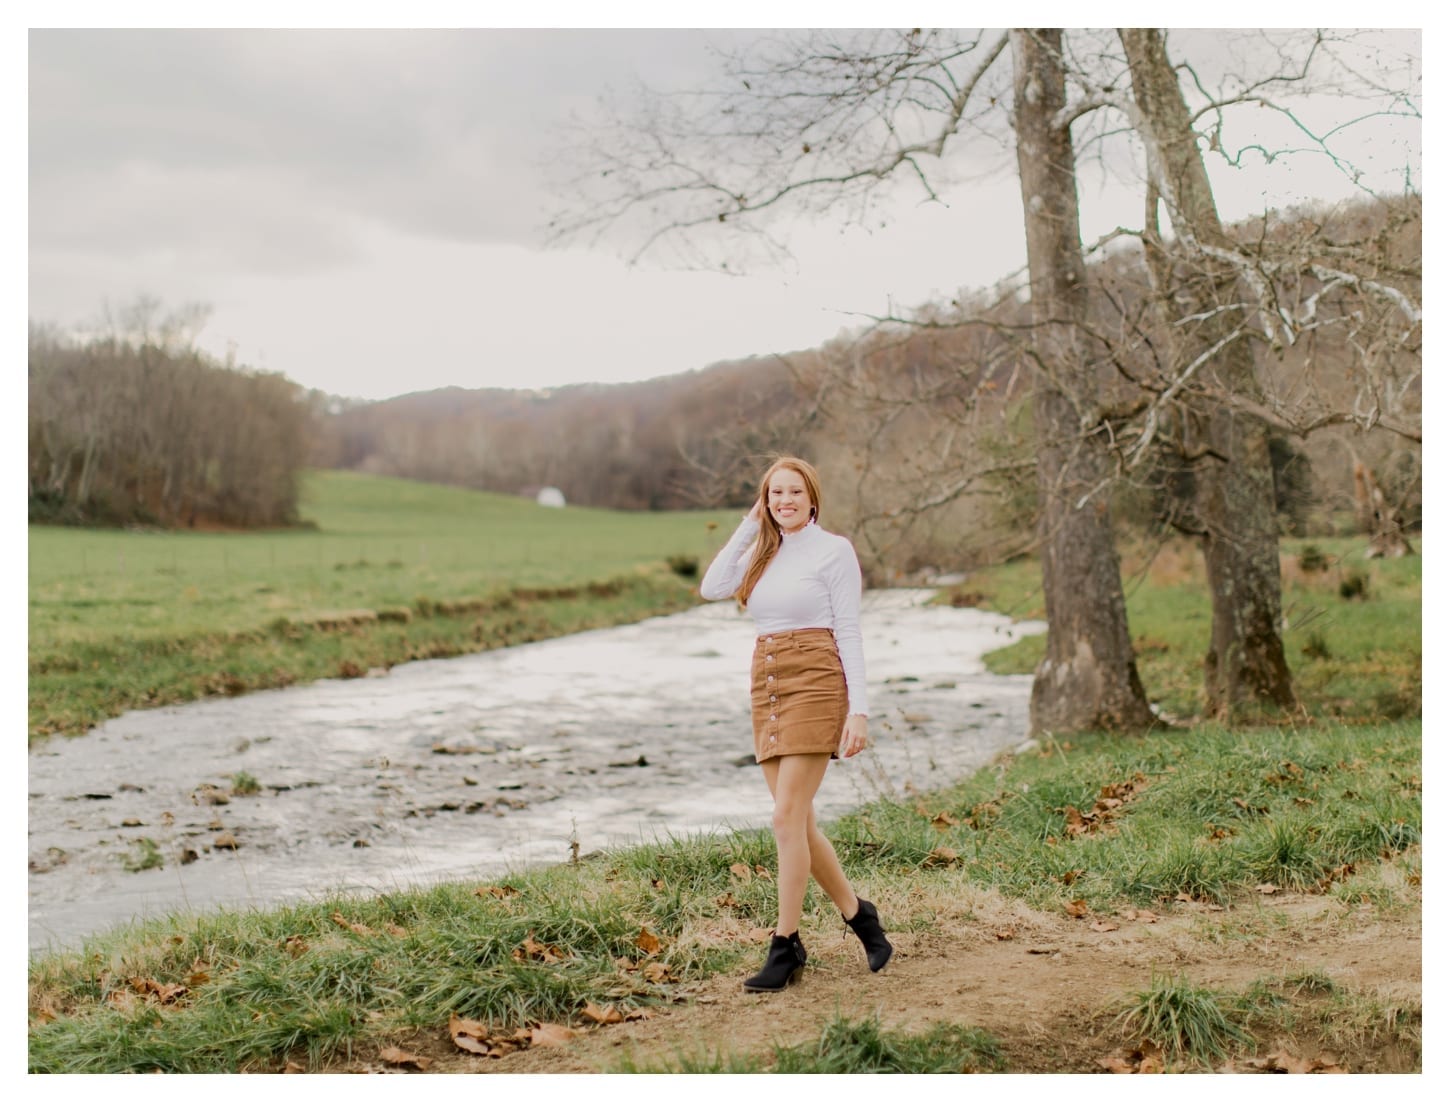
1147 1059
1108 807
480 1040
356 928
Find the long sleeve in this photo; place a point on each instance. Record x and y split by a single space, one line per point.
727 570
843 580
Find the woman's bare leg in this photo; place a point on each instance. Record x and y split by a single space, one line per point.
826 868
801 849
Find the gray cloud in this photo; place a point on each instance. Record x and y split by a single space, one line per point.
266 144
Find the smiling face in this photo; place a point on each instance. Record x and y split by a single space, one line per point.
788 499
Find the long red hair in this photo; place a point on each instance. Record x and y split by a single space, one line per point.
770 538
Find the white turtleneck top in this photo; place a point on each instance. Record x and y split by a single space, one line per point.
814 581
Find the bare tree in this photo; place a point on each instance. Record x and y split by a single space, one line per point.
1229 309
824 122
126 429
1228 448
1089 676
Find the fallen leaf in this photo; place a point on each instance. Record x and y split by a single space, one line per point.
1267 889
657 884
942 855
624 964
647 942
355 927
657 972
639 1013
1117 1065
1069 876
396 930
1005 935
763 872
469 1035
726 900
296 945
497 891
1103 927
1076 909
536 950
472 1044
944 820
399 1058
550 1035
164 993
1283 1061
601 1015
293 1068
760 933
198 975
742 871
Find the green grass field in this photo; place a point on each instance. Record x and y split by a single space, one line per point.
1202 813
1355 657
124 619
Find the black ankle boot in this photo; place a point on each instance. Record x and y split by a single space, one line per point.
783 963
866 924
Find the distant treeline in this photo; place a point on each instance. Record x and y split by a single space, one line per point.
685 441
921 425
137 431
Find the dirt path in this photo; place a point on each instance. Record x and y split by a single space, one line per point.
1048 988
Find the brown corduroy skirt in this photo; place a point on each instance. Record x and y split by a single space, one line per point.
797 693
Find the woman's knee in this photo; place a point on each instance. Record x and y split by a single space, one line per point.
789 821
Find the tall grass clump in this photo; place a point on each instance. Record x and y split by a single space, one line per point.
845 1047
1186 1021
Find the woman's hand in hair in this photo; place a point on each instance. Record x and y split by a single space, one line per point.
754 513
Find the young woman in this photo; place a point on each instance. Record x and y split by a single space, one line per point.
802 586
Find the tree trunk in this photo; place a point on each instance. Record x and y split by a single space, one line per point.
1380 519
1089 676
1244 669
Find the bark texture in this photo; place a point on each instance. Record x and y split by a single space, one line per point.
1089 676
1228 451
1379 517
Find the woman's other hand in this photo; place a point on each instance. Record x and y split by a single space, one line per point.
853 736
754 513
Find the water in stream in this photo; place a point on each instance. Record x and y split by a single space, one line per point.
467 767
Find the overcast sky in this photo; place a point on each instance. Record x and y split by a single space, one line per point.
363 210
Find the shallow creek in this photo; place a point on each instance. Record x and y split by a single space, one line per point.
468 767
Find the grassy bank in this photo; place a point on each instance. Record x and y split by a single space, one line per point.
1101 826
1194 826
394 571
1352 637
